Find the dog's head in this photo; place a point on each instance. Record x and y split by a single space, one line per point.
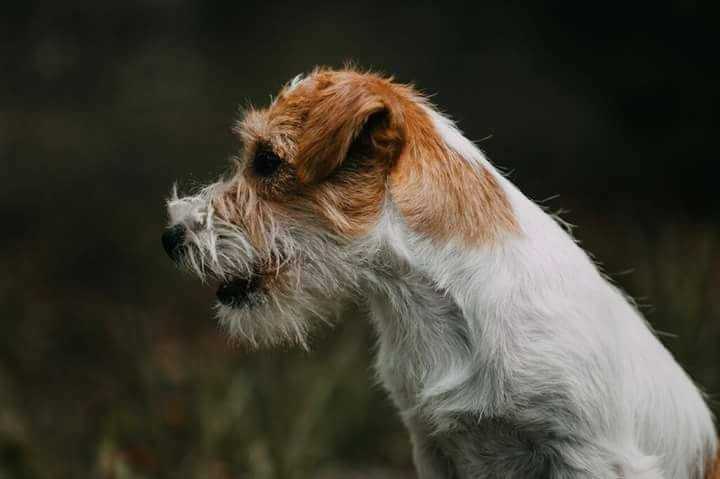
294 228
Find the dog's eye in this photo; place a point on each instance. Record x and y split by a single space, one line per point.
266 163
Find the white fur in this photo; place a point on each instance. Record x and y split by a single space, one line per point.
537 298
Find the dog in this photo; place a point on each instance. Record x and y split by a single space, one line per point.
507 353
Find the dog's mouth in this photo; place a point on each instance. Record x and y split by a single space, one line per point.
239 292
251 289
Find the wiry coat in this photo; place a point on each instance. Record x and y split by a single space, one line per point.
505 350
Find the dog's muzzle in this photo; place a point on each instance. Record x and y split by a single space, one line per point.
236 292
173 240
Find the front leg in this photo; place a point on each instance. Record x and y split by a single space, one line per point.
430 461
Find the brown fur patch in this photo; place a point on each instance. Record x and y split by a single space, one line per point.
347 146
346 136
714 469
239 204
341 107
441 194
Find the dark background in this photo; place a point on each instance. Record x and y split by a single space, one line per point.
111 365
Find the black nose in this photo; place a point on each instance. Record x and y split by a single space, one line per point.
172 240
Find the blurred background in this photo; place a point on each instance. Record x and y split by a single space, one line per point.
111 365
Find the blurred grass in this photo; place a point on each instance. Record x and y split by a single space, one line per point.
167 404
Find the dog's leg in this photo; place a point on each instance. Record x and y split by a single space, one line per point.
640 466
500 447
429 460
650 474
430 463
602 461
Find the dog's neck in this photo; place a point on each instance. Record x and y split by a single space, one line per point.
429 353
421 334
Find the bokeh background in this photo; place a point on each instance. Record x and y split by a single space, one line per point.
111 365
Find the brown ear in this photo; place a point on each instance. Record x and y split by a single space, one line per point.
337 117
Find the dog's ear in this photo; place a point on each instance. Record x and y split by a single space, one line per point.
342 112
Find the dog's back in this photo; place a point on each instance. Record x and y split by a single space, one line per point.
657 404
